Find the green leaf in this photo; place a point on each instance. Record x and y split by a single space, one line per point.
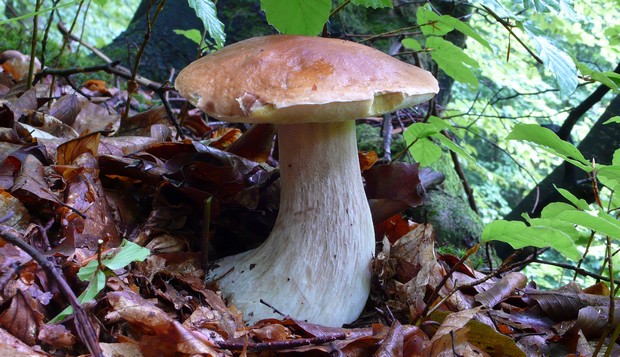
419 130
193 35
550 142
602 223
539 235
438 123
87 272
297 17
96 285
430 23
555 60
127 253
411 44
425 152
452 60
453 146
615 119
553 6
577 202
464 28
101 2
206 12
375 4
613 35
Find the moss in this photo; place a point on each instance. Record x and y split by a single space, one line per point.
369 138
454 221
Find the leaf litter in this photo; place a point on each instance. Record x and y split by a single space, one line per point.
75 179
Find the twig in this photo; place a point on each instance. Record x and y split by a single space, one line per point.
469 192
61 27
285 344
33 45
83 325
579 270
508 27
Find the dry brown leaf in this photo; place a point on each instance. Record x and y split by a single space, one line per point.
367 159
11 346
56 335
22 318
505 287
151 326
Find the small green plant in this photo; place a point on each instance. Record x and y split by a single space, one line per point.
95 271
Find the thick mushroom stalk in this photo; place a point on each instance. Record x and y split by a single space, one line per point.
315 264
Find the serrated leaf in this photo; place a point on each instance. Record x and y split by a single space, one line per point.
127 253
452 60
297 17
375 4
411 44
556 60
577 202
207 13
550 142
193 35
425 152
519 235
615 119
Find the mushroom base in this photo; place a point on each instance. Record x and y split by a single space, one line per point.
315 264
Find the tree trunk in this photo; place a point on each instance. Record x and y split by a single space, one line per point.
165 49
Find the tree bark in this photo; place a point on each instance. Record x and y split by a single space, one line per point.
166 50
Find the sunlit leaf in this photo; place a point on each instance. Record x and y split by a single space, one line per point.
454 147
430 23
425 152
519 235
549 141
207 13
411 44
615 119
556 60
127 253
452 60
602 222
193 35
297 17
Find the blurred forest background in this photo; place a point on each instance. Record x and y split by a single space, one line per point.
492 88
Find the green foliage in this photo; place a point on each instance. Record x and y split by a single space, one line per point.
95 273
560 223
297 17
549 141
193 35
206 12
424 150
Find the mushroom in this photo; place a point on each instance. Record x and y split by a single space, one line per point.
315 264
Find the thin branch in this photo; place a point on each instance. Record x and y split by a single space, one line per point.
83 325
509 27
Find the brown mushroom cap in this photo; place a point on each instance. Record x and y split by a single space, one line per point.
286 79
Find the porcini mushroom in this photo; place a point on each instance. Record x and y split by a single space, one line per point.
315 264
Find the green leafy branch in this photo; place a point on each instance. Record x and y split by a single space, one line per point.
96 271
561 224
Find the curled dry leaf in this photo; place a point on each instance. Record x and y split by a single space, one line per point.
506 286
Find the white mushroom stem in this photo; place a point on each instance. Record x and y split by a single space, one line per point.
315 264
